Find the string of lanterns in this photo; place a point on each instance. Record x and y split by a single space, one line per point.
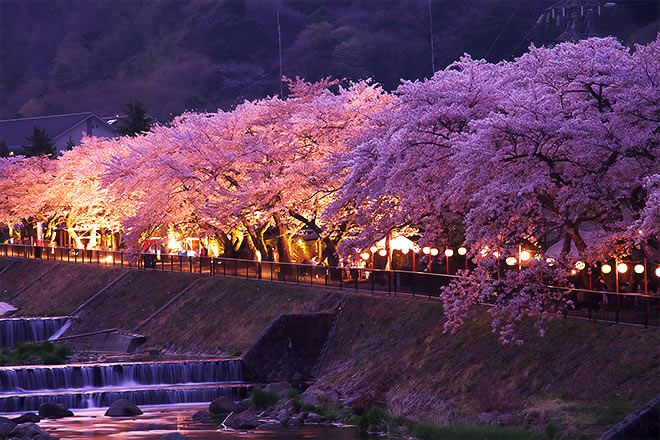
524 255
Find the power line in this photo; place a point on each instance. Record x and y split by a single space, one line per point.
279 45
431 27
502 30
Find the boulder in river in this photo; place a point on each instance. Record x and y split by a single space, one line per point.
27 417
269 426
243 420
202 417
223 405
31 431
6 427
52 410
123 408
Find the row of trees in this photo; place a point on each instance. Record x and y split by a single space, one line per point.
560 144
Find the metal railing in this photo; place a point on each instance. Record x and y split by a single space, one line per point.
631 308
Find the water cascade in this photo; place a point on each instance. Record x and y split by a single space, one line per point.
17 330
98 385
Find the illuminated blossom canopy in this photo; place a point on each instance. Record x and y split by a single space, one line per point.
558 148
560 145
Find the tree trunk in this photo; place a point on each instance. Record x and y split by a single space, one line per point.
73 235
256 239
283 239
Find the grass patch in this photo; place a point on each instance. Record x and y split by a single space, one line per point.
261 399
43 353
430 432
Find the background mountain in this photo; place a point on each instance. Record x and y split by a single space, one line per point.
68 56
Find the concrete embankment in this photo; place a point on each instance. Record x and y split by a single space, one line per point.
581 378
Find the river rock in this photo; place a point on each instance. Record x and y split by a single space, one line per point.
243 405
282 415
31 431
313 418
27 417
243 420
123 408
281 388
52 410
488 418
508 419
174 436
310 397
202 417
269 426
223 405
6 426
294 422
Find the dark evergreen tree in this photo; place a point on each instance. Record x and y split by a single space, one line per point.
41 144
4 151
136 120
70 144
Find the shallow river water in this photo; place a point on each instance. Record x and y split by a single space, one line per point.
160 420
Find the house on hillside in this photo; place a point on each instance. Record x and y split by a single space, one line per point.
62 129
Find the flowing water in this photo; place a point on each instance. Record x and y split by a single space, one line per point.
17 330
160 420
98 385
169 393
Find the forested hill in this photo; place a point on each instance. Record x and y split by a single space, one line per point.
69 56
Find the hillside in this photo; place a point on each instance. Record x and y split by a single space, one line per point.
579 379
71 56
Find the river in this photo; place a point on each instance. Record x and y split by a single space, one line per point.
159 420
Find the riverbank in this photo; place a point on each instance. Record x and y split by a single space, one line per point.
580 379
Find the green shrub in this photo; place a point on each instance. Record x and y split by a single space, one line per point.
29 353
430 432
374 419
261 399
550 431
292 393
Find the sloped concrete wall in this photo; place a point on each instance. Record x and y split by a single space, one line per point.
288 348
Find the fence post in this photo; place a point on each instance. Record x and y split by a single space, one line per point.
341 278
389 282
297 270
412 288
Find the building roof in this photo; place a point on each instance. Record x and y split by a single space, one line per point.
15 131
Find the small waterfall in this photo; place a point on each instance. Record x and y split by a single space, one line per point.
14 331
119 375
61 330
98 385
163 396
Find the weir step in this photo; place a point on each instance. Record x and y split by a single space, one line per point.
72 376
99 398
29 329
